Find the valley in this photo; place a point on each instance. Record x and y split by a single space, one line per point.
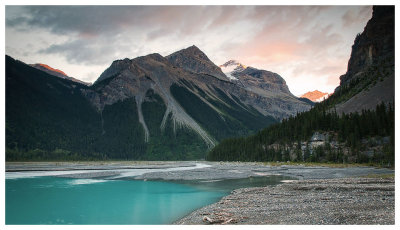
174 138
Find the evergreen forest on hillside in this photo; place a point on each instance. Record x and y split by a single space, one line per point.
351 129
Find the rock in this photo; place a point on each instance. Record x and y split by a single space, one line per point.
318 137
212 221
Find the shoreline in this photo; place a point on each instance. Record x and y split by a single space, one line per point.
188 170
311 198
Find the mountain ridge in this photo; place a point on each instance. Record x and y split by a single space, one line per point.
56 72
149 105
179 67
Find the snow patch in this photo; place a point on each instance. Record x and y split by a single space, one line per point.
231 77
231 67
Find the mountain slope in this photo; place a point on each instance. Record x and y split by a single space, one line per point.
46 113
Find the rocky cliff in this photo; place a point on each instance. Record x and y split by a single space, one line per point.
374 45
369 79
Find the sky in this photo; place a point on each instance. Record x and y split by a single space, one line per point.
309 46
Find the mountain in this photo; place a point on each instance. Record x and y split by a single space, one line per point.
261 81
355 124
56 72
315 96
273 94
147 108
369 79
189 84
265 91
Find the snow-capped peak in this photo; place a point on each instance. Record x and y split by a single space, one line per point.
232 66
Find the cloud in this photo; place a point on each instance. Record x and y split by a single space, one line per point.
354 16
223 16
295 41
81 52
98 33
85 20
109 20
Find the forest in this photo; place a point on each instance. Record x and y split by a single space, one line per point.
352 130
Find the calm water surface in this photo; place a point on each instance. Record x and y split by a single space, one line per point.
55 200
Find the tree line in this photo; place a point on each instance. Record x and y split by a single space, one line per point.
350 129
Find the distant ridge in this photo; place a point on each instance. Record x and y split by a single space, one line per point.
56 72
315 96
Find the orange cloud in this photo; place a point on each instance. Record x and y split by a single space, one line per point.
274 51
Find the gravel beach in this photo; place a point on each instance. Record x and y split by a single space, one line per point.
330 201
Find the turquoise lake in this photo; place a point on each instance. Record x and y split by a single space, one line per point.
55 200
